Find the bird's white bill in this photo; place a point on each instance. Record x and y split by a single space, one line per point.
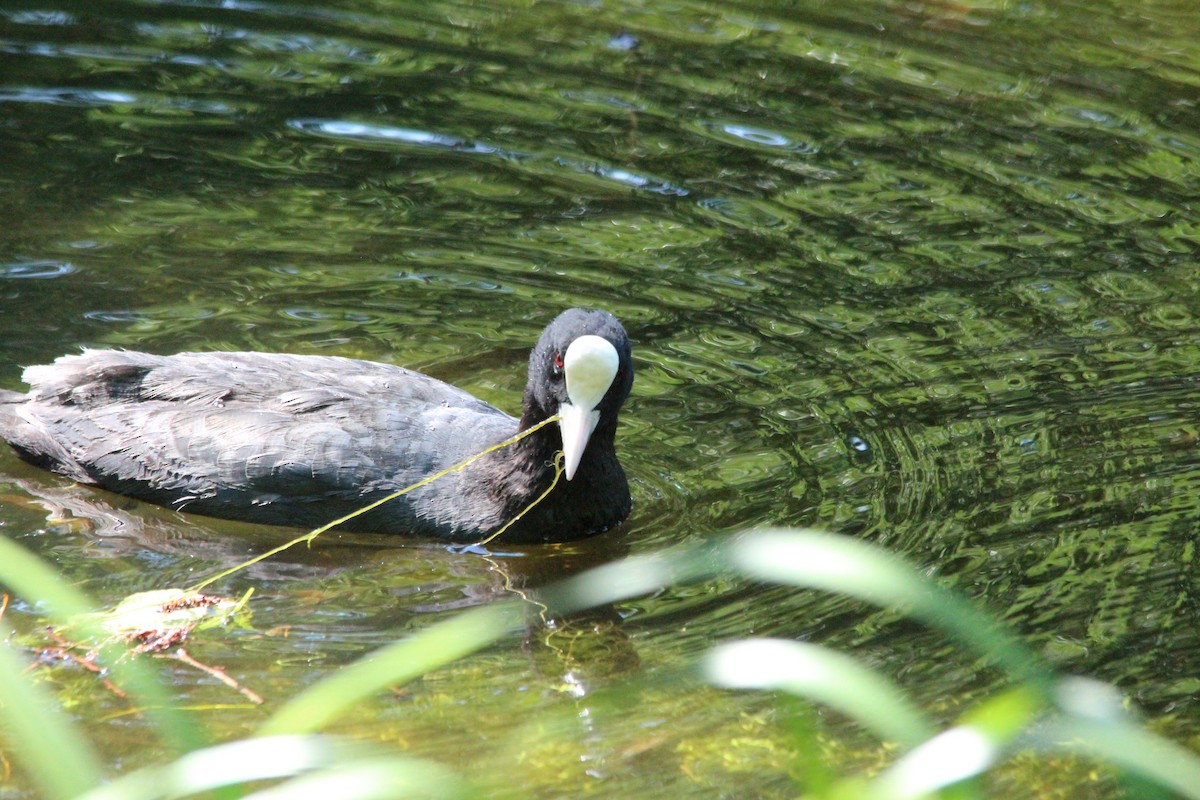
577 425
590 365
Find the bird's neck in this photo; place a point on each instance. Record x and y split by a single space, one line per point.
530 461
596 498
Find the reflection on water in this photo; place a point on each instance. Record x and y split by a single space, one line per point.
924 273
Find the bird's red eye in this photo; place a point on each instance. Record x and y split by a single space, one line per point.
558 362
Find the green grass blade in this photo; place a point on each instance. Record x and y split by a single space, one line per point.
380 778
1122 744
309 766
808 766
43 738
824 675
30 578
1093 721
409 658
630 577
225 765
846 566
950 757
986 736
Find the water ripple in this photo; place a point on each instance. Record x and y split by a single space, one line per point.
741 134
36 269
101 98
118 315
325 315
414 137
624 176
365 132
66 97
46 18
105 54
156 315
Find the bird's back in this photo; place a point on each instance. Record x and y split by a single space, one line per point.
271 438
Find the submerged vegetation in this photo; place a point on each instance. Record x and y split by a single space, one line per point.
1039 715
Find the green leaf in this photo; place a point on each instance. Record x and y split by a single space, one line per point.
1123 744
41 736
310 766
824 675
371 779
950 757
631 577
963 752
30 578
847 566
161 611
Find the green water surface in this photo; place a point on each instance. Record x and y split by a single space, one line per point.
921 272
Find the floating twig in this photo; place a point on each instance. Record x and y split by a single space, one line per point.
219 673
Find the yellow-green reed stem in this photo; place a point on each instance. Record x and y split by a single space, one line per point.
558 471
313 534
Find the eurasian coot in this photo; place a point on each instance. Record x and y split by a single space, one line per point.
302 440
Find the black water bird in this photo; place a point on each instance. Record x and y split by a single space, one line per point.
302 440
